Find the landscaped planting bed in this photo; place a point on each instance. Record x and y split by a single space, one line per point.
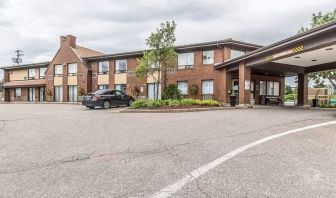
174 104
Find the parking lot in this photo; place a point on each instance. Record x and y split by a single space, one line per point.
63 150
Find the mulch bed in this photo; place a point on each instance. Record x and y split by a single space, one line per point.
175 109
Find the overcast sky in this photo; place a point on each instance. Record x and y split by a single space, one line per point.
112 26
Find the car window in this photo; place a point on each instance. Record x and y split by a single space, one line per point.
111 93
99 92
119 93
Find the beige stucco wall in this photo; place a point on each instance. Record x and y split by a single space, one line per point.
103 79
72 80
18 75
58 81
120 78
150 79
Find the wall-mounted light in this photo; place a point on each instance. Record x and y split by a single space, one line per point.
266 73
297 57
314 60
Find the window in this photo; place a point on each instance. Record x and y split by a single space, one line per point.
72 93
183 87
152 90
31 74
58 93
263 87
102 87
17 92
236 53
121 66
103 67
207 87
42 72
154 65
208 57
120 87
58 70
72 69
185 60
273 88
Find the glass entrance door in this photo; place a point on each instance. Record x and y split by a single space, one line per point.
31 94
72 93
42 94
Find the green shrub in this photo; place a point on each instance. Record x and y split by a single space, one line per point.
210 102
172 92
152 104
174 103
187 102
290 97
139 104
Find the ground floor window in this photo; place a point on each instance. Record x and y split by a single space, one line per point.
269 88
17 92
207 87
72 93
152 90
42 94
120 87
102 87
58 93
183 87
31 94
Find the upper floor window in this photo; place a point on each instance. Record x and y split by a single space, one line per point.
103 67
121 66
236 53
31 74
208 57
154 65
185 60
42 72
72 69
183 87
58 70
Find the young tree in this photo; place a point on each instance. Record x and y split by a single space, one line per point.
320 77
288 90
160 57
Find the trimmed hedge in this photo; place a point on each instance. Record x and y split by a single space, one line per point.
152 104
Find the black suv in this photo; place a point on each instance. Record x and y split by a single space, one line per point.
107 98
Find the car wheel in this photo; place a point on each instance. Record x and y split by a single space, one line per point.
129 103
106 105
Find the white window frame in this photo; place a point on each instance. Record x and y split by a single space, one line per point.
102 87
100 67
183 87
42 71
207 87
185 60
31 74
118 68
58 70
119 87
17 92
208 57
236 53
72 69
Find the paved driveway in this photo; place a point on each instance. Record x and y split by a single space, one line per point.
68 151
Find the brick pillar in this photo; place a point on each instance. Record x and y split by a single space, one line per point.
220 85
244 78
6 95
302 90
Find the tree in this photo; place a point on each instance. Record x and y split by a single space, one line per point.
320 77
160 57
288 90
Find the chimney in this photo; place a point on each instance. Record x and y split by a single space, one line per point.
68 40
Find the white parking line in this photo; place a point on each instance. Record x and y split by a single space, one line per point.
193 175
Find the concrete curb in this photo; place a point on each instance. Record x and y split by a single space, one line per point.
178 110
70 103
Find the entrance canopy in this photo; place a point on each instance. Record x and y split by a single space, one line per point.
311 51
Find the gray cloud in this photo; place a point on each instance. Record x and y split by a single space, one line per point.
115 26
